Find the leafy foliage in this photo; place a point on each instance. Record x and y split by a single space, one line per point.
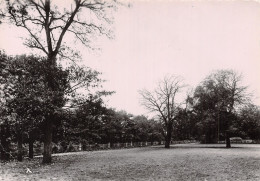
248 123
46 24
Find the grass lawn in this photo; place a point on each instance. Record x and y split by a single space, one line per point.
180 162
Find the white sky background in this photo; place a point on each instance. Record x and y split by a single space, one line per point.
186 38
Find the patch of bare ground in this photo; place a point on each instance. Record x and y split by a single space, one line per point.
180 162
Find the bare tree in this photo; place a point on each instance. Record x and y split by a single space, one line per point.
163 101
48 26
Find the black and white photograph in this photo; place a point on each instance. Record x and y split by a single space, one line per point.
130 90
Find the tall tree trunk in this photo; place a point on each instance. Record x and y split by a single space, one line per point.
20 147
4 144
167 142
227 132
228 144
48 142
49 121
31 141
168 136
4 149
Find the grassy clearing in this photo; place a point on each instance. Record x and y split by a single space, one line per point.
181 162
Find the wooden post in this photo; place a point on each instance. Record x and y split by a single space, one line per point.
80 146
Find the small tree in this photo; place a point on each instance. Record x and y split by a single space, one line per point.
163 101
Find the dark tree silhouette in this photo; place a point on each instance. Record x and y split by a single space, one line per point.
49 27
163 101
217 98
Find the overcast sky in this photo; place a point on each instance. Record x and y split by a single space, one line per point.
186 38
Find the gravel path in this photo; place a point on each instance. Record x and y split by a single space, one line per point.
181 162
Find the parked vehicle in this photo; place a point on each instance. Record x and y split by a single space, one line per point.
236 140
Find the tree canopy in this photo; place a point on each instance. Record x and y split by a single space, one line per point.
49 27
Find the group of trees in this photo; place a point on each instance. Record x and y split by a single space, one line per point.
218 108
93 123
39 96
26 103
48 25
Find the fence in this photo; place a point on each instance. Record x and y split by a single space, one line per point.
91 147
58 148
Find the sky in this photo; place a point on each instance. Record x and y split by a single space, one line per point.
158 38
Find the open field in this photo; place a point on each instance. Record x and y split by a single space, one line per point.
181 162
